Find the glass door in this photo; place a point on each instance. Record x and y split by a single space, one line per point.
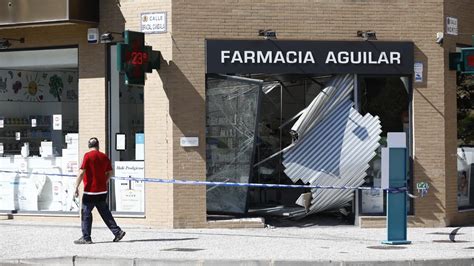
388 97
231 124
126 140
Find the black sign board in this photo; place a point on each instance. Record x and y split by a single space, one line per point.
316 57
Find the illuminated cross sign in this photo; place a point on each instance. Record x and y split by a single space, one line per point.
468 60
134 58
462 62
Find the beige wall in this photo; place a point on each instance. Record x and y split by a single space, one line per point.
162 205
415 21
463 11
166 93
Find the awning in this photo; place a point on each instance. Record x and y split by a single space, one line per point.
31 12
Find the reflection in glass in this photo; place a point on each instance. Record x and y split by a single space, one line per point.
231 124
386 97
38 133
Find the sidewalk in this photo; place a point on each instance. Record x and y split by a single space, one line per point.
52 243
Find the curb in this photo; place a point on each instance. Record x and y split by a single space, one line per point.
76 260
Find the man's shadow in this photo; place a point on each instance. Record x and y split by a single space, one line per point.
150 240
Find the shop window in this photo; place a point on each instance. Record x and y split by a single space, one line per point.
284 96
232 112
307 129
388 98
127 140
465 132
38 131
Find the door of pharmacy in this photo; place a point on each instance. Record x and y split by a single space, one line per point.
126 140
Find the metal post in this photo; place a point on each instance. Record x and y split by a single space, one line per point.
397 178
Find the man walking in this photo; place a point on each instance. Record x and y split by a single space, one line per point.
95 171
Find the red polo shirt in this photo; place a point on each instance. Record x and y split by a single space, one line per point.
95 164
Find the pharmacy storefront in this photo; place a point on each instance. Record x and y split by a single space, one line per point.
304 112
310 104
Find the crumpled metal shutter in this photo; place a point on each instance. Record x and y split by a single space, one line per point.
333 146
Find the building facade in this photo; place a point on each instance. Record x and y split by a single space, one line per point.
80 83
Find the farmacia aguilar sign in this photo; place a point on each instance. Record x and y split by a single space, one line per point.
319 57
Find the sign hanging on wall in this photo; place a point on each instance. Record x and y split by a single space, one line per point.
418 72
129 195
317 57
451 25
189 141
153 22
57 122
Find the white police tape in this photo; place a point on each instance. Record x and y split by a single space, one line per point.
213 183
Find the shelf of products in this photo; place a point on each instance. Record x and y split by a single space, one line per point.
17 131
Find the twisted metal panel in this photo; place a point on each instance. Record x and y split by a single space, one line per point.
334 145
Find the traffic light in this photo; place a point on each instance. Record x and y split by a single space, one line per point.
134 58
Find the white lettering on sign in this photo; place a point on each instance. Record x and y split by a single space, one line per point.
451 25
305 57
356 58
267 57
153 22
418 72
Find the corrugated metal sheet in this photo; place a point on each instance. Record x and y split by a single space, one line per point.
338 89
334 145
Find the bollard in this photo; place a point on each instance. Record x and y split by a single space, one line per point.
394 170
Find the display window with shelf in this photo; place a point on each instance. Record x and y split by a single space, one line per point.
38 130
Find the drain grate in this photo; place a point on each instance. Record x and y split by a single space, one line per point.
449 241
469 248
183 249
386 247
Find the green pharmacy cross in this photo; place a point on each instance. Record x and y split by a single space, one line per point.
463 61
134 58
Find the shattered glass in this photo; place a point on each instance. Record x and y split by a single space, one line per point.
232 111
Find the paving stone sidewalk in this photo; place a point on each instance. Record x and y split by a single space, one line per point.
52 243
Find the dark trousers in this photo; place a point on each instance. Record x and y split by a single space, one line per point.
88 204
